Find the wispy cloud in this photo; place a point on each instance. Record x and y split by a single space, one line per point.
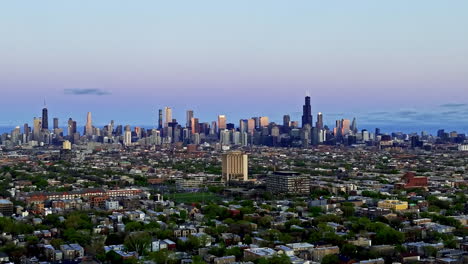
453 105
86 91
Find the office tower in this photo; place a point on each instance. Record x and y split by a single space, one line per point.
250 126
354 126
127 137
56 123
221 122
69 127
137 132
194 125
225 137
319 123
89 125
243 125
306 112
66 145
167 115
230 126
345 126
286 121
365 135
189 118
236 140
377 132
257 122
160 119
235 166
214 128
74 127
45 119
37 127
263 121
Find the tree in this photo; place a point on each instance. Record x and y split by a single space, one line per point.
163 257
330 259
138 242
279 259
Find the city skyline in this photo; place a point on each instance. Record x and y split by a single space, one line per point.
404 59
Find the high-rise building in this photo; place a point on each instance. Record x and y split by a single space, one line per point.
286 121
45 119
257 122
319 123
89 125
264 121
37 127
167 115
160 120
307 112
354 126
189 118
250 126
221 122
127 138
235 166
243 125
194 125
56 123
69 127
345 126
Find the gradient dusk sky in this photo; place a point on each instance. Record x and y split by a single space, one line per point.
400 62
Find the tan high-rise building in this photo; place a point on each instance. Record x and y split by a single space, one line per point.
37 127
264 121
89 125
250 126
167 115
345 126
235 166
66 145
221 122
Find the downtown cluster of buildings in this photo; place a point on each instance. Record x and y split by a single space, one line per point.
253 131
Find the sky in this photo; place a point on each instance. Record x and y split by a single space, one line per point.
396 64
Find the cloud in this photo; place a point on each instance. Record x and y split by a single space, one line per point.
89 91
453 105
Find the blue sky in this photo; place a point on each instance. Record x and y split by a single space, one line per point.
393 61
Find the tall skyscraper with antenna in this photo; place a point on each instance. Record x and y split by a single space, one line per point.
307 112
45 117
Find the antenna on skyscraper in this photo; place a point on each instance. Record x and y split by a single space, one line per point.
307 93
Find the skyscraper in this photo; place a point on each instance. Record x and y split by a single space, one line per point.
345 126
168 116
319 123
235 166
354 126
89 125
45 119
286 121
160 120
189 118
306 112
221 122
264 121
250 126
56 123
37 126
195 127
